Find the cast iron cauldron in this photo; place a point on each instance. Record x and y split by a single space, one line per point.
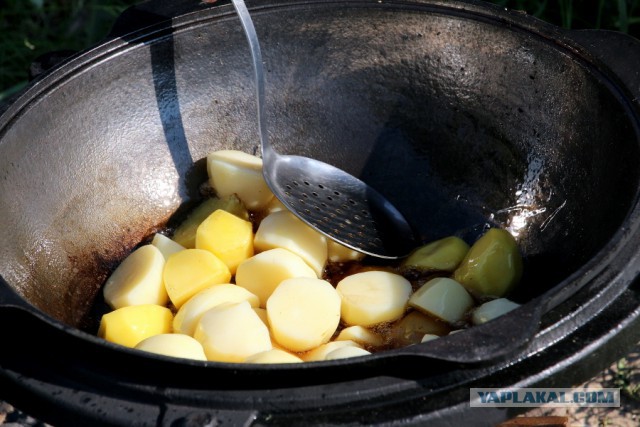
463 114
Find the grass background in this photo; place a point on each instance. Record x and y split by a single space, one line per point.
29 28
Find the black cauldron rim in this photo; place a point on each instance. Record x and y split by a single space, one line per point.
610 275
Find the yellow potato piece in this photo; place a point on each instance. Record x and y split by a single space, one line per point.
167 246
191 311
236 172
373 297
492 309
303 313
263 272
262 314
174 345
274 355
441 255
284 230
227 237
129 325
232 332
411 328
341 253
137 280
360 335
320 352
443 298
346 352
190 271
185 234
493 265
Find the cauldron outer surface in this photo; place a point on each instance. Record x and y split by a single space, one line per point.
463 116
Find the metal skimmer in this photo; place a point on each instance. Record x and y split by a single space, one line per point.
330 200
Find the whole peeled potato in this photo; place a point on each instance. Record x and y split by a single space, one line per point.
303 313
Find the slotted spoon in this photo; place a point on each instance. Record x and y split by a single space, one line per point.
330 200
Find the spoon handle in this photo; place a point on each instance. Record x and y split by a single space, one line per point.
254 45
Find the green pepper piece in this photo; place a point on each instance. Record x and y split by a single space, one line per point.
441 255
493 265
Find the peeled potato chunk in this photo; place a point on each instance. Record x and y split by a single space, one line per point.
492 266
174 345
236 172
441 255
360 335
167 246
129 325
185 234
303 313
444 298
429 337
275 205
262 314
341 253
191 311
373 297
190 271
232 332
274 355
492 309
263 272
137 280
227 237
346 352
414 326
320 352
282 229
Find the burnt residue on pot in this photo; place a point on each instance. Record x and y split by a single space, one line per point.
64 283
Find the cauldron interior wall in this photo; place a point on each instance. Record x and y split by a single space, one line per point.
460 122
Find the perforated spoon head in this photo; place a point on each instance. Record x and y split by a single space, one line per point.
340 206
330 200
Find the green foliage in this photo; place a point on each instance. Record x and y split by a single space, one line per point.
624 379
619 15
32 27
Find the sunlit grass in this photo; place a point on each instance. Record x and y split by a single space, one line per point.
30 28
